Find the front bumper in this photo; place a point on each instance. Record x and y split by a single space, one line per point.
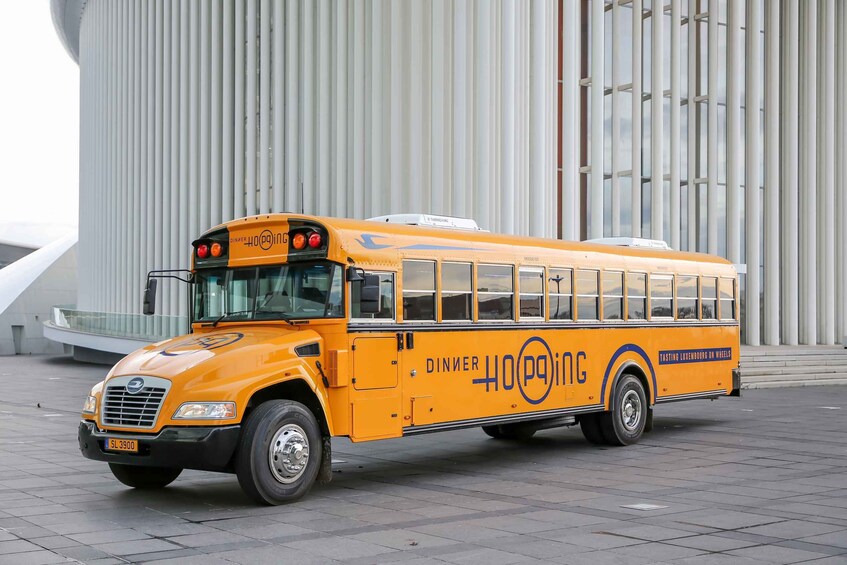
208 448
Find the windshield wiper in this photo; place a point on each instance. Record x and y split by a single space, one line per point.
225 314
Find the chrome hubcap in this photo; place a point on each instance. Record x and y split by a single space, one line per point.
288 453
631 410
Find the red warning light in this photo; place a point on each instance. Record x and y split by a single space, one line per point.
202 251
315 240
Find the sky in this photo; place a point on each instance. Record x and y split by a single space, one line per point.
39 123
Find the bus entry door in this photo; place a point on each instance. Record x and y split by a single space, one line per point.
376 404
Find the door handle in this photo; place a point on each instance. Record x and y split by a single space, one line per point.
399 341
410 340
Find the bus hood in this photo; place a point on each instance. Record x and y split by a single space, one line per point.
219 353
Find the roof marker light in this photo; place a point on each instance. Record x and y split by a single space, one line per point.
298 241
217 249
202 251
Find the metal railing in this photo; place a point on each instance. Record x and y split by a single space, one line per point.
130 326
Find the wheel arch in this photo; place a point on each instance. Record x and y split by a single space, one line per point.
634 364
294 389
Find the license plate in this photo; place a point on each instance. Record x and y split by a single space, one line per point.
116 444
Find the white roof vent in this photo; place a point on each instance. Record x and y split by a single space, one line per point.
429 220
631 242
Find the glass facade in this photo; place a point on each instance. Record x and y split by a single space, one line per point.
699 126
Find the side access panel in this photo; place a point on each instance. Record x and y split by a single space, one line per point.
375 362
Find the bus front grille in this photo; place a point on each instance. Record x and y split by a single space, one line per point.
138 410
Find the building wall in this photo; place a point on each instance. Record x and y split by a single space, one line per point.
29 310
10 252
717 130
197 112
194 113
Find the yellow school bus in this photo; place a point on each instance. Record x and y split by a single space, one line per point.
307 328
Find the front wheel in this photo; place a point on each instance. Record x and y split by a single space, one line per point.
625 422
280 452
143 477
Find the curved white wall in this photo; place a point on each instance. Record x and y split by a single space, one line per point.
193 113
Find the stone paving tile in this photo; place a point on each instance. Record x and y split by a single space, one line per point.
40 557
776 554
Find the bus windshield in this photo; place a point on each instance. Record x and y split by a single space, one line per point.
278 292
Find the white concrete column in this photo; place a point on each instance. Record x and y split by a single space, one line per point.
692 128
595 201
771 184
712 132
507 96
637 114
807 175
734 54
538 93
570 57
657 124
790 162
752 181
616 120
675 124
826 173
841 173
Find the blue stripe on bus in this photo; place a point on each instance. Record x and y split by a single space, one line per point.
705 355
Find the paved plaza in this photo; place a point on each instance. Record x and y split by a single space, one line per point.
760 479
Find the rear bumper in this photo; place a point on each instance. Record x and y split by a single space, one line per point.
204 448
736 383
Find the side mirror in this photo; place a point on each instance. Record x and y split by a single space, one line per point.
352 274
369 297
150 297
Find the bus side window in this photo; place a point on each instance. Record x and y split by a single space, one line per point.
661 296
386 298
612 295
419 290
456 291
531 290
495 292
686 297
709 291
726 287
636 296
587 294
560 286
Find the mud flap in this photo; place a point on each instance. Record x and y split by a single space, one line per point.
325 472
648 425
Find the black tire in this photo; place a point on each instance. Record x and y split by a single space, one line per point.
142 477
590 426
295 433
515 432
493 431
624 423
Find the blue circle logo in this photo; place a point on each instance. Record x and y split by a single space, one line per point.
135 385
535 370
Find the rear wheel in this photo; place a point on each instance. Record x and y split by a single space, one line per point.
280 452
590 426
624 423
140 476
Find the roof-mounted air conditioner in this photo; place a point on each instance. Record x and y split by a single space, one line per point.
631 242
429 220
